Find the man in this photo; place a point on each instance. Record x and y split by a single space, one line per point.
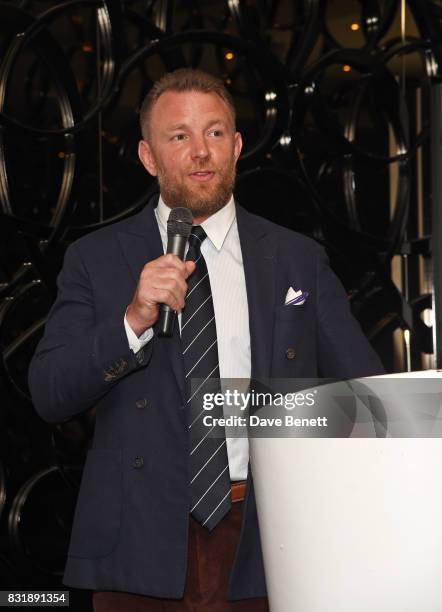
133 541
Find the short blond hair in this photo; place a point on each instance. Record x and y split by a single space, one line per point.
184 79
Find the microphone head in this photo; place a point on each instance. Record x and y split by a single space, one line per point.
179 222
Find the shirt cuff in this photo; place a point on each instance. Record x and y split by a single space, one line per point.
136 343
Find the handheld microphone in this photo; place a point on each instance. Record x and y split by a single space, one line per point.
179 226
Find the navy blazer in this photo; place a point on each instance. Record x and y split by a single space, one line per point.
131 521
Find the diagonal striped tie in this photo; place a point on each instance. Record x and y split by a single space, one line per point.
209 467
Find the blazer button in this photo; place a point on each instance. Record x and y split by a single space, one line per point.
138 462
141 403
290 353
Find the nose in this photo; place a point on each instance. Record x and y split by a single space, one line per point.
199 150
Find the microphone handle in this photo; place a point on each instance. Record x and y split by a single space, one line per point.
166 321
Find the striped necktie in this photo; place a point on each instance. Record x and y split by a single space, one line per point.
209 467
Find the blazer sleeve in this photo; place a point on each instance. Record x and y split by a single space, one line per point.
80 358
343 349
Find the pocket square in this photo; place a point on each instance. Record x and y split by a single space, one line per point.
295 298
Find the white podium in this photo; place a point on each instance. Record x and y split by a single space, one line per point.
351 525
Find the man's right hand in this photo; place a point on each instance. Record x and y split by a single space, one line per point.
162 281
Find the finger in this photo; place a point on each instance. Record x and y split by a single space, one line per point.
168 260
152 276
177 288
190 268
165 296
169 278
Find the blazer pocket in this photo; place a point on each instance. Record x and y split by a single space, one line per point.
97 519
291 313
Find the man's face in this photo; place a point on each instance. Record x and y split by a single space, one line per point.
192 150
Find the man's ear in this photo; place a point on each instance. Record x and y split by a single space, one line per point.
237 145
146 157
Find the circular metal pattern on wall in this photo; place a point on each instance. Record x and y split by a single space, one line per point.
2 488
39 522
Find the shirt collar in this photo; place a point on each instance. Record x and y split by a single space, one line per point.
216 226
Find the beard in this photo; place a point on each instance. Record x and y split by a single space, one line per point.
202 199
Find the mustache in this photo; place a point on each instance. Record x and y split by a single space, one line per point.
201 170
203 167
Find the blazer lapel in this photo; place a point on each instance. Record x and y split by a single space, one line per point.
141 243
259 259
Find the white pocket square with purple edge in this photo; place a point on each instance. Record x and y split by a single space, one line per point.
295 298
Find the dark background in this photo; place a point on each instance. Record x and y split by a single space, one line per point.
336 99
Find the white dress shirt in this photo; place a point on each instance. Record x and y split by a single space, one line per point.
222 253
